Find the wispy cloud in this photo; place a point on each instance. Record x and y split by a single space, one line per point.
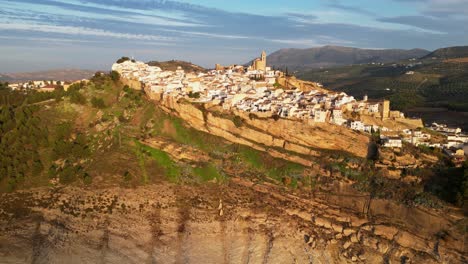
352 9
70 30
435 24
302 17
48 40
173 27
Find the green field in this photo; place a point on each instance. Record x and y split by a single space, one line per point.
433 84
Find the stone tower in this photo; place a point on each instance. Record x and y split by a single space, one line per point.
260 63
385 109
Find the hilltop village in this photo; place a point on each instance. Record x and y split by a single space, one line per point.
256 89
265 92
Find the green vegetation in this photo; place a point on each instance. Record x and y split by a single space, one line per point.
3 85
434 83
77 98
124 59
115 76
448 183
91 134
98 103
208 172
251 156
194 95
238 122
39 143
171 170
172 65
21 140
279 170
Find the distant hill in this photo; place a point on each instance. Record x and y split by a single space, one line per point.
63 75
173 64
433 84
449 53
330 56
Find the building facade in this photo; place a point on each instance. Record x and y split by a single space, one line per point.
259 64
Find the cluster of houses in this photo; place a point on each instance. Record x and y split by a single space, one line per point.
255 90
451 141
41 86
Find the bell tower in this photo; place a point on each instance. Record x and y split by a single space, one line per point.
264 56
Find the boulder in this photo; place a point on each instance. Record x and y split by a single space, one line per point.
323 222
347 245
387 232
348 231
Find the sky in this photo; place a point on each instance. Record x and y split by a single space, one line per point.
92 34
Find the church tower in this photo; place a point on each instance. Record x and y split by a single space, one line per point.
260 63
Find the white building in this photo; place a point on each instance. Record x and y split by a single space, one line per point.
321 116
391 142
357 125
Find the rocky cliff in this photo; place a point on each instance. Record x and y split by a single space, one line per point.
289 139
239 222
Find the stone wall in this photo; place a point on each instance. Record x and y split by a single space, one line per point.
290 82
132 83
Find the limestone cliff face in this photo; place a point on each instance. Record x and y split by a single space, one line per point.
240 222
300 137
132 83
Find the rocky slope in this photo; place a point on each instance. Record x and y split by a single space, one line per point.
158 190
302 138
238 222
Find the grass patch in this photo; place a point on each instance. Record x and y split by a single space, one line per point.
171 170
208 172
141 161
251 156
280 170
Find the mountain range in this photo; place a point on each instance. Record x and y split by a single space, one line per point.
62 74
448 53
330 56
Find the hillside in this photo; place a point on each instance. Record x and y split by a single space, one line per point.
448 53
329 56
173 64
101 173
63 75
441 85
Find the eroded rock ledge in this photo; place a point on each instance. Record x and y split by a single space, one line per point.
239 222
281 138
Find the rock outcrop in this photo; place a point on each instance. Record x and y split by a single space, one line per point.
299 139
240 222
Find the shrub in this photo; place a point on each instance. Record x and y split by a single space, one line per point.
87 178
123 59
127 176
252 116
98 103
237 121
194 95
77 98
115 76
